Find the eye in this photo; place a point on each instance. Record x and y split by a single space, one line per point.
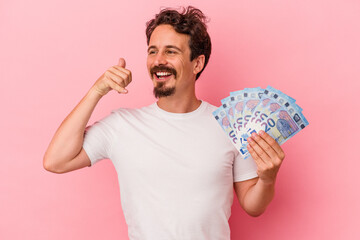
151 52
170 52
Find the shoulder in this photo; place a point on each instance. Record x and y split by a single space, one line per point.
125 116
208 109
209 106
217 131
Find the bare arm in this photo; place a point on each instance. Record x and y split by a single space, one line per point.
256 194
65 152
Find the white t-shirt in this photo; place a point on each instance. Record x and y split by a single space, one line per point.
175 171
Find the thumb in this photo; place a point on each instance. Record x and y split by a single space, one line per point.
122 63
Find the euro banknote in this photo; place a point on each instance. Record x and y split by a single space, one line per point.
254 109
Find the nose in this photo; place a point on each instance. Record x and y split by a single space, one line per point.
160 59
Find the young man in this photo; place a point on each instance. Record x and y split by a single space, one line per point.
175 166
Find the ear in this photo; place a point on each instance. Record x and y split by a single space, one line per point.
199 64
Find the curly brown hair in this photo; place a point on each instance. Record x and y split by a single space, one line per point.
190 21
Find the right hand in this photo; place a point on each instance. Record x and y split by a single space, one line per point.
116 77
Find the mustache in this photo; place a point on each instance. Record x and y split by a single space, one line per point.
162 68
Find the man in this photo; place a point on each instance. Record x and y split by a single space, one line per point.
175 166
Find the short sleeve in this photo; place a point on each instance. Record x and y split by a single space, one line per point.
98 139
244 169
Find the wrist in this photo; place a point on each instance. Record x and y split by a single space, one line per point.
268 182
94 93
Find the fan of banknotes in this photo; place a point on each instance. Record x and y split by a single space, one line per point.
254 109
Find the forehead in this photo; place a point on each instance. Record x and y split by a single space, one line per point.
164 35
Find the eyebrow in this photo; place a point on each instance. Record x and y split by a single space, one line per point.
167 46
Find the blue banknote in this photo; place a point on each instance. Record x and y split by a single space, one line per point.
254 109
223 120
227 105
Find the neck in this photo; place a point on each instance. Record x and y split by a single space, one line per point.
183 104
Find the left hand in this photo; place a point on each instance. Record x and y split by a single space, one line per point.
267 154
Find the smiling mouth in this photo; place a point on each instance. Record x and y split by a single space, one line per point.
162 75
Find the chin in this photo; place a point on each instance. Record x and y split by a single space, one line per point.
162 91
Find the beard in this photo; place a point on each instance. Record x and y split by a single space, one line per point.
161 91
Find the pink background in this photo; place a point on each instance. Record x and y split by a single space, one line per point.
51 52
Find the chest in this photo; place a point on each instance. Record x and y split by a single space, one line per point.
178 152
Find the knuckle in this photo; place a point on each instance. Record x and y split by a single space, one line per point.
271 140
270 166
277 164
122 83
115 67
266 169
119 79
267 148
112 79
261 154
109 74
116 79
110 69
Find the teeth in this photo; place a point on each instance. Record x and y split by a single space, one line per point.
163 73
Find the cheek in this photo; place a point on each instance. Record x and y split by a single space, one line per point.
181 65
182 62
148 64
